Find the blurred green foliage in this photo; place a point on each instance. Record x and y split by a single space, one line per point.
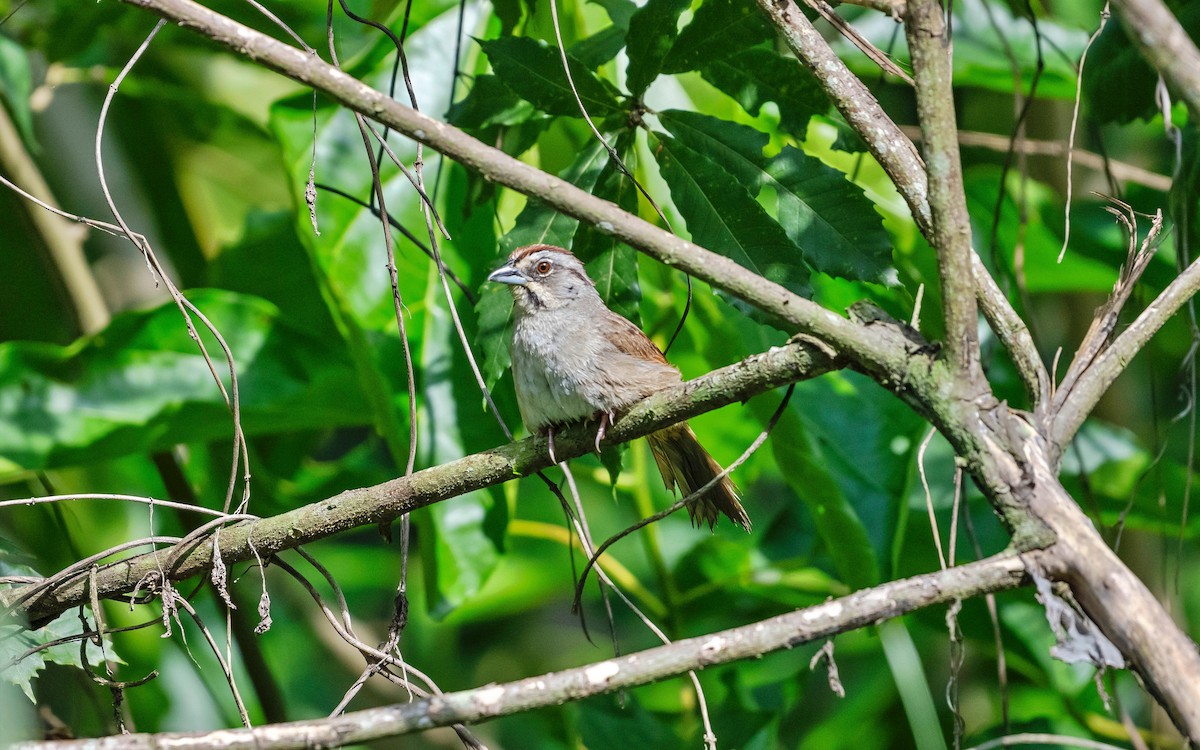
208 156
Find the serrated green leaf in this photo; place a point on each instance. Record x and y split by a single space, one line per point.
19 669
533 70
611 263
598 48
824 215
489 102
141 384
723 217
756 76
718 29
652 30
830 218
736 147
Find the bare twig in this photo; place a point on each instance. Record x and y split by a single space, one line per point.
865 607
1074 125
1120 170
929 45
1094 382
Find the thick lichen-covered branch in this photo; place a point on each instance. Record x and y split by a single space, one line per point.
264 537
950 226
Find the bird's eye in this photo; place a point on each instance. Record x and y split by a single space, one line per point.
543 267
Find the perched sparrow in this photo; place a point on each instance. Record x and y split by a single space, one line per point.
574 359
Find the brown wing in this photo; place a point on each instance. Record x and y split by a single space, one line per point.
629 339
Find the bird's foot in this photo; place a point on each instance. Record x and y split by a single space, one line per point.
550 443
606 419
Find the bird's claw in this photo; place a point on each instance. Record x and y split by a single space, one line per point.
606 419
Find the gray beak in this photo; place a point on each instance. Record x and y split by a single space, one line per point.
506 274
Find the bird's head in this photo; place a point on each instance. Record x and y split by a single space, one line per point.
544 277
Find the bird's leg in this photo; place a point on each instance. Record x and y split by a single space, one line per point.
606 419
550 441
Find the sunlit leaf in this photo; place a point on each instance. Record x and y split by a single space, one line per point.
142 384
719 28
756 76
534 71
723 217
651 33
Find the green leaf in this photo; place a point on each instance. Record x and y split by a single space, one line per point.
509 12
915 693
830 218
719 29
756 76
489 102
652 29
736 147
803 466
16 639
723 217
827 217
533 70
619 11
611 263
141 385
1114 64
464 534
599 48
16 84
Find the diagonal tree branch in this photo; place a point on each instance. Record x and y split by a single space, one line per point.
929 45
863 608
898 157
264 537
1094 382
865 351
1164 43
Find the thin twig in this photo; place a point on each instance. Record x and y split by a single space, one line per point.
810 624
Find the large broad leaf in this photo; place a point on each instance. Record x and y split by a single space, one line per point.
719 29
803 465
534 72
599 48
489 102
1114 64
16 84
830 218
465 533
611 263
756 76
652 29
141 384
827 217
723 217
537 223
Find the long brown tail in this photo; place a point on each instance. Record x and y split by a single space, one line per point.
685 464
